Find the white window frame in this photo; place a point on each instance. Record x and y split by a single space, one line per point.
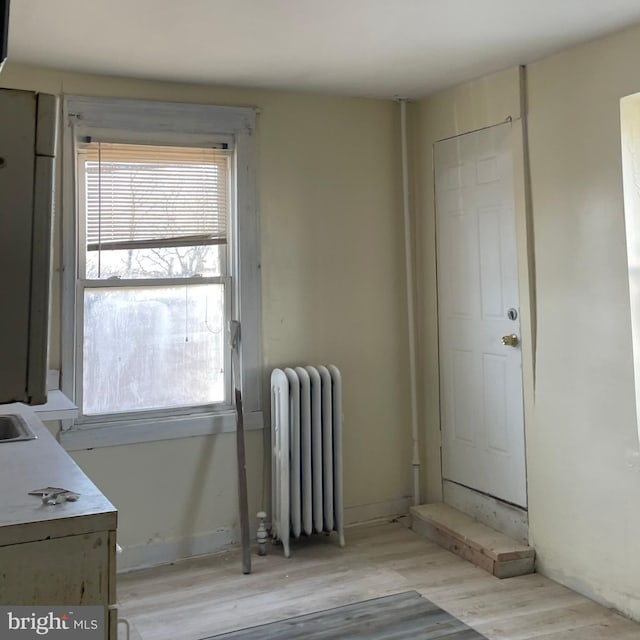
142 121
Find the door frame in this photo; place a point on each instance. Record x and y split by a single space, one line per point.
474 503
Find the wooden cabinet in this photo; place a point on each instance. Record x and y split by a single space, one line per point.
64 571
73 570
62 554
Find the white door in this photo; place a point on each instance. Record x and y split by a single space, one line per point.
480 377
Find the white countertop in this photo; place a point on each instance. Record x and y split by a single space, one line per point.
34 464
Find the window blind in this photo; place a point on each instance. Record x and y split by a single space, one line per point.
140 196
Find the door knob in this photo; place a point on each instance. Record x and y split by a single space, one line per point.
510 341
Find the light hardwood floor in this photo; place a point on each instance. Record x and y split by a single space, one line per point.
204 596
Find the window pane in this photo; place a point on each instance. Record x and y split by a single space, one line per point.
153 348
149 209
162 262
142 192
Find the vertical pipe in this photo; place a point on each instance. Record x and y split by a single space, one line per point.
408 254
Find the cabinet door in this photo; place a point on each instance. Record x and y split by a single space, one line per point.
63 571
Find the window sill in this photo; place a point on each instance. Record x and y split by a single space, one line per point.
123 433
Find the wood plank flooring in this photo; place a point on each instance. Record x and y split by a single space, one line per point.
205 596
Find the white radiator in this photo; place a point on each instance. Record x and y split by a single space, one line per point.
306 441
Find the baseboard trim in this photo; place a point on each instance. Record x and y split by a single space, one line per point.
376 511
158 552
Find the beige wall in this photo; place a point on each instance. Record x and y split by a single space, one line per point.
584 470
582 437
332 264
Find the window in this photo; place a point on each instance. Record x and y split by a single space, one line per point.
152 276
162 239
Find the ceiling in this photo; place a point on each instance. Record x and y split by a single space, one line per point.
373 48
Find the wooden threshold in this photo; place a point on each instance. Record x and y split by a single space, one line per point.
488 549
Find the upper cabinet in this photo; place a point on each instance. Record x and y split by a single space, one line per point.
28 124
